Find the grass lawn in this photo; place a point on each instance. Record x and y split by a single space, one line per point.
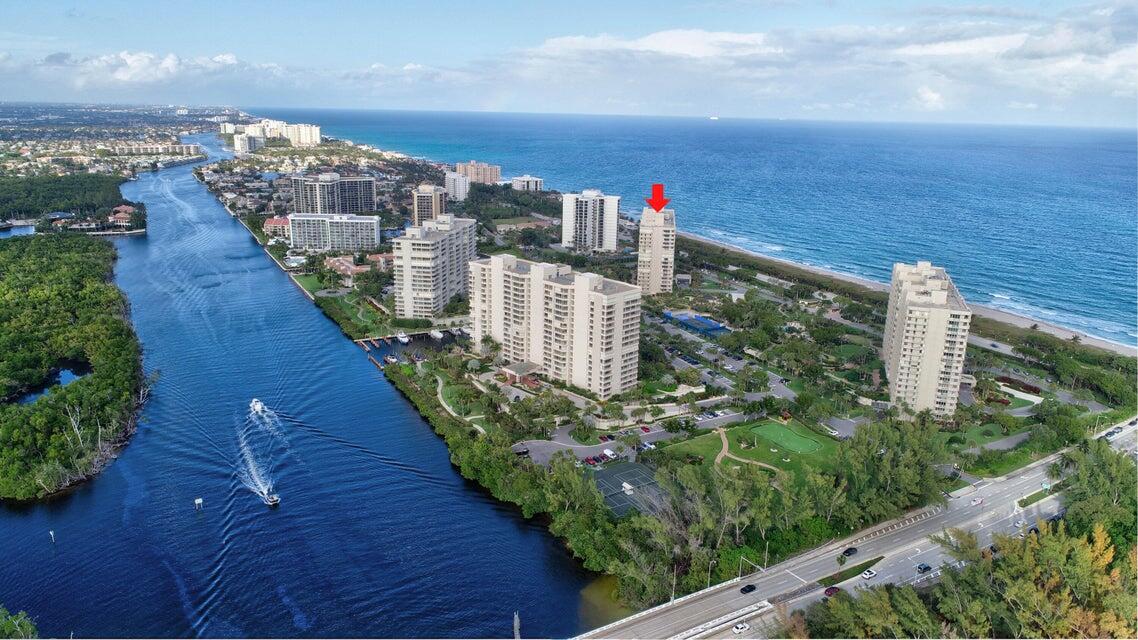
794 441
450 392
707 445
847 352
653 387
980 435
1041 494
310 282
1018 403
1005 463
848 572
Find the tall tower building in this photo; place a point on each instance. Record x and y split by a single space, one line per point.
428 202
579 328
589 221
457 185
479 172
656 262
926 334
431 265
333 193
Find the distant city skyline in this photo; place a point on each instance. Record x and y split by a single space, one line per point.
1061 63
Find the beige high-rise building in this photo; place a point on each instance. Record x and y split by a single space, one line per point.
428 202
656 262
479 172
926 335
579 328
589 221
431 265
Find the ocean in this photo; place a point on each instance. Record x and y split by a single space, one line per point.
1036 221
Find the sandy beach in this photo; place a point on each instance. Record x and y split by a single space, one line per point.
998 315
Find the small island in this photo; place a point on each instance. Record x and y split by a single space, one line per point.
70 365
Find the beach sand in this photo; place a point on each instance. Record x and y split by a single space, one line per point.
992 313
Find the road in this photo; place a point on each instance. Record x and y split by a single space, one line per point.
989 506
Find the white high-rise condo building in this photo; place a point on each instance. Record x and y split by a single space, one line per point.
333 232
428 202
246 143
579 328
656 262
457 185
926 335
431 265
527 183
333 193
302 135
479 172
589 221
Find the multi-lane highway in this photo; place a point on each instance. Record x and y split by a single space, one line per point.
987 507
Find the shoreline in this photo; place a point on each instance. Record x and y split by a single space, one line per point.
985 311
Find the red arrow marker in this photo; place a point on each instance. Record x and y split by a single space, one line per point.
657 201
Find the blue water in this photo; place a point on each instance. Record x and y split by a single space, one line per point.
16 231
1037 221
63 378
376 534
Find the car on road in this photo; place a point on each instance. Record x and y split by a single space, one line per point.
747 588
740 628
1132 422
868 574
976 501
1018 524
645 429
923 568
832 431
995 345
849 552
832 591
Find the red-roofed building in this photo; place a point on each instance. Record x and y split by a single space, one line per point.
123 208
277 227
382 261
346 266
120 218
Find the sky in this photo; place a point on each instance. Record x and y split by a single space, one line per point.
1044 62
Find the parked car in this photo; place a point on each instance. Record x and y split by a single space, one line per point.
868 574
591 462
747 588
832 591
923 568
609 453
645 429
849 552
976 501
995 345
740 628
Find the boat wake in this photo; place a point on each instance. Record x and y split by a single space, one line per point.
255 447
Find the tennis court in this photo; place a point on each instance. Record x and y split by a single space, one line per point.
610 482
787 437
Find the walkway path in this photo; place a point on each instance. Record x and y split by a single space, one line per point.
439 394
726 453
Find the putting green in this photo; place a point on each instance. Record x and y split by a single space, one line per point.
787 438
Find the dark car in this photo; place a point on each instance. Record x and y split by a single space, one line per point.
1133 422
1034 529
832 591
747 589
994 549
923 568
849 552
522 452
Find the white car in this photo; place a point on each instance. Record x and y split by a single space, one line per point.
868 574
1019 524
740 628
976 501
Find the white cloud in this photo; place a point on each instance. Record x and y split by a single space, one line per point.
929 100
963 63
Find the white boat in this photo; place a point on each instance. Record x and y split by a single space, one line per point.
390 359
713 118
436 334
402 338
257 406
272 499
456 331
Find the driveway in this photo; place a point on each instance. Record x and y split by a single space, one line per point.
846 426
1003 444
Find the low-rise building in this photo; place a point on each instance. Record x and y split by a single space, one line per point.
527 183
346 266
277 227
